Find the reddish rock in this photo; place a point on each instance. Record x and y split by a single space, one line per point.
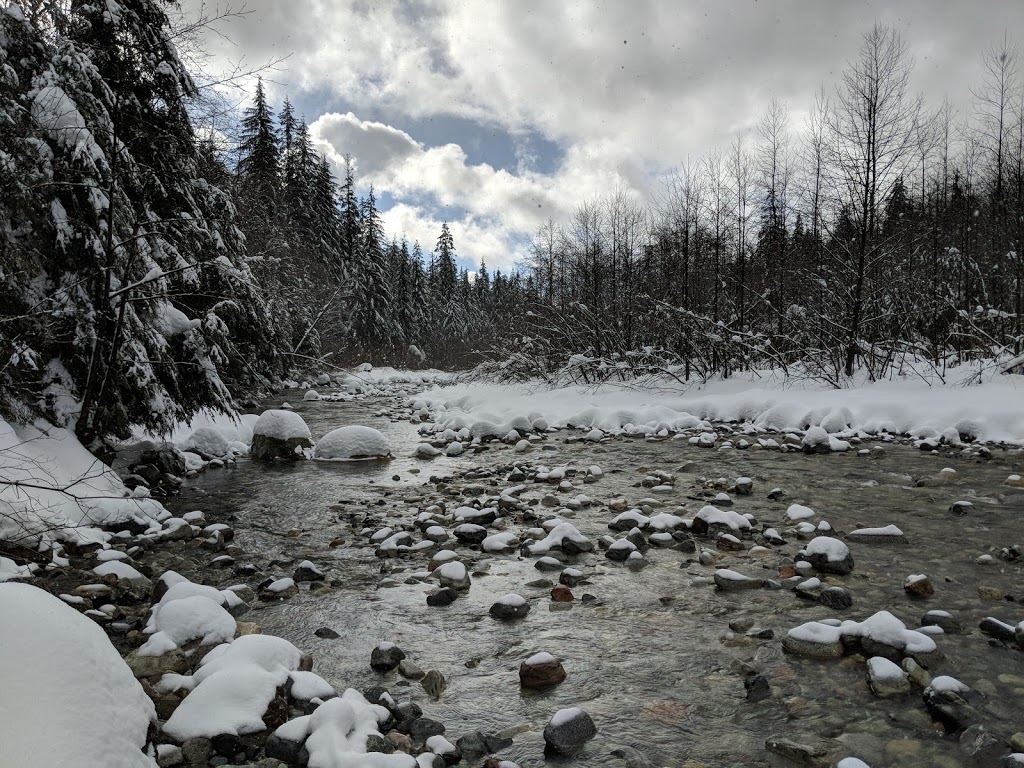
787 571
562 594
541 675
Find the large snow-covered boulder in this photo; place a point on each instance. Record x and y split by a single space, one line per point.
352 443
280 434
68 697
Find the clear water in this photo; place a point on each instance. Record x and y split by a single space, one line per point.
653 664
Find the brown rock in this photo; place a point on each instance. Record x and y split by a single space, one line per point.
787 571
989 593
542 675
561 594
919 588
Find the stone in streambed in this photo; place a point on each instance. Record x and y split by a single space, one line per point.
568 731
541 670
385 657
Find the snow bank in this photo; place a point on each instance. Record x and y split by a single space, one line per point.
67 490
990 411
68 698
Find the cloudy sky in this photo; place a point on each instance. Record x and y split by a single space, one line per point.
497 114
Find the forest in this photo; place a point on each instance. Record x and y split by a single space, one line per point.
151 267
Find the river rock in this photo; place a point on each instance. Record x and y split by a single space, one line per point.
998 629
885 678
828 555
442 597
280 434
385 657
562 594
952 704
919 586
757 688
422 728
811 754
942 619
510 607
409 669
836 598
541 670
327 633
307 571
150 666
568 731
434 683
730 581
454 576
814 640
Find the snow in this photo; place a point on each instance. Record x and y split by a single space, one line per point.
68 698
558 534
852 762
991 410
338 729
563 716
76 491
209 441
11 570
118 568
947 683
883 669
889 530
352 443
232 701
713 515
499 542
281 425
540 658
834 550
799 512
816 632
170 320
189 618
309 685
512 600
885 628
454 570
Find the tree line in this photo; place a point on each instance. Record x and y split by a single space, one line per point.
880 233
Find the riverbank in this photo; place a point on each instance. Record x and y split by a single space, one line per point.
658 648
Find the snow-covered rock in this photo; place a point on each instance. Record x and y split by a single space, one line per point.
280 434
68 697
352 443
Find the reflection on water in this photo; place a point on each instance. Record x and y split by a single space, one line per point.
651 660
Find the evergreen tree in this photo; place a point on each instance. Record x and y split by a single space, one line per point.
259 160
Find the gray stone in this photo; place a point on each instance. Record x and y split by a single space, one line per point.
266 448
757 688
408 668
434 683
836 598
197 750
422 728
569 736
386 658
151 666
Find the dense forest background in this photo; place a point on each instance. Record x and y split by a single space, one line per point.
150 267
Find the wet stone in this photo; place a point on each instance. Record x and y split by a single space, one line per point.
757 688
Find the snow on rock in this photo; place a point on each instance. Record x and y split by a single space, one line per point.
80 492
232 701
207 441
335 734
189 618
352 443
11 570
828 555
711 519
563 536
68 697
799 512
280 425
311 394
280 434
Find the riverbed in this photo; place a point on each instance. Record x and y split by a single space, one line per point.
652 659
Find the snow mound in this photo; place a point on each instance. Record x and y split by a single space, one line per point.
71 490
190 618
208 441
352 443
68 698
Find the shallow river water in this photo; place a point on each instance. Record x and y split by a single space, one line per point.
652 660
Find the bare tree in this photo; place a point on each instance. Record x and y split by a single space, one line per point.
872 134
